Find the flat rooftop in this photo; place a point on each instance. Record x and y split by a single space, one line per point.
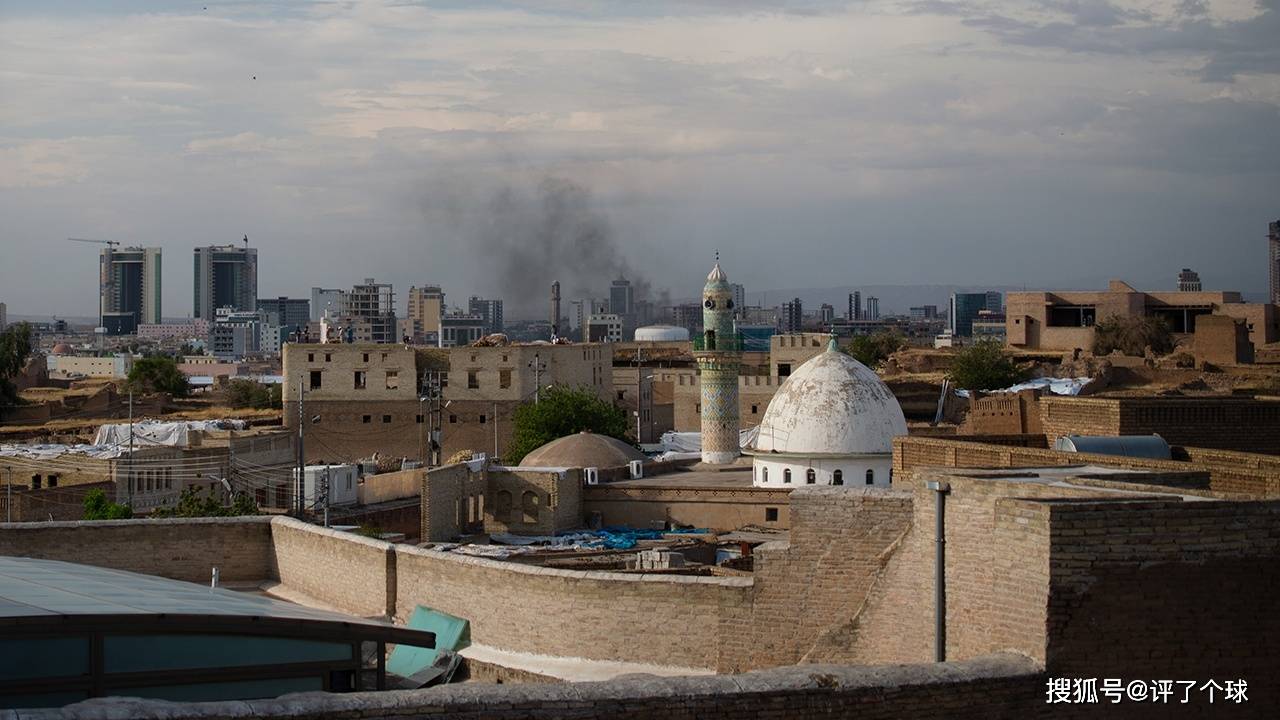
737 478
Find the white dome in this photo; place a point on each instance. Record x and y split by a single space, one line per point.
661 333
831 405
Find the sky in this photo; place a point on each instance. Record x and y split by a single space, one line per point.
494 147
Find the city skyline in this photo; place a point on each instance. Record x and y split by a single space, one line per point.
910 143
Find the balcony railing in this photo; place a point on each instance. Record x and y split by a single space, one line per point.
712 342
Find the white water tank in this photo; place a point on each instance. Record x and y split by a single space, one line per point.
662 333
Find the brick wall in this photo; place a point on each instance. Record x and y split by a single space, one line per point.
536 502
350 572
996 578
715 508
666 620
59 503
185 549
807 591
385 487
1003 687
1167 589
1242 424
452 502
1229 474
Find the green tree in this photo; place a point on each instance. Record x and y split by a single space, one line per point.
984 365
15 348
195 503
98 507
157 374
249 394
1133 335
559 412
872 350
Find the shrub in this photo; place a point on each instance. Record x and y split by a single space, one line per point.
1132 336
984 365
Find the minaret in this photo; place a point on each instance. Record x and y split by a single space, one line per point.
719 354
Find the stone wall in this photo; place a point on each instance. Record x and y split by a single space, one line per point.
807 590
661 619
1229 474
182 549
350 572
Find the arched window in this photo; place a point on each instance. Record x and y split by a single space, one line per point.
837 478
810 477
764 474
529 506
786 475
871 476
502 506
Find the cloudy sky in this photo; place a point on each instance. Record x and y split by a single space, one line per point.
494 147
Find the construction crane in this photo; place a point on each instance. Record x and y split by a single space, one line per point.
111 243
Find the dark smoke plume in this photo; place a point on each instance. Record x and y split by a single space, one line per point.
531 236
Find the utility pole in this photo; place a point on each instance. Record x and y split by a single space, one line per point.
131 480
537 377
326 496
297 481
495 431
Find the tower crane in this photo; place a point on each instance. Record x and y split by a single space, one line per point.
110 243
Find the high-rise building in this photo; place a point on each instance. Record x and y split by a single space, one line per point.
604 327
621 297
1188 280
226 276
792 317
719 355
873 308
688 316
326 299
963 310
129 288
855 306
490 310
373 305
460 328
1273 245
826 313
289 314
739 297
426 307
924 312
995 302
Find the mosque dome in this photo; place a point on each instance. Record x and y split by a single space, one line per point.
582 450
831 405
63 349
717 276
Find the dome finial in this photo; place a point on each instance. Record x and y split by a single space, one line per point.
832 345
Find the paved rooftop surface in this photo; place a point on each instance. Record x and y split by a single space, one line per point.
736 479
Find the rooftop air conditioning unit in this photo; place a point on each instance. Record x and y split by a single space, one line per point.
592 475
637 469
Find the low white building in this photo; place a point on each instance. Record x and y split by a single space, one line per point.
832 422
341 482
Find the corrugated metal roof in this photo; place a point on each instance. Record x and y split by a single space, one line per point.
1138 446
32 587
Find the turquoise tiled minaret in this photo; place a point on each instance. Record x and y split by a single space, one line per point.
719 354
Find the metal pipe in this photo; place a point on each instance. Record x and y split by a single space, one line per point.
940 490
